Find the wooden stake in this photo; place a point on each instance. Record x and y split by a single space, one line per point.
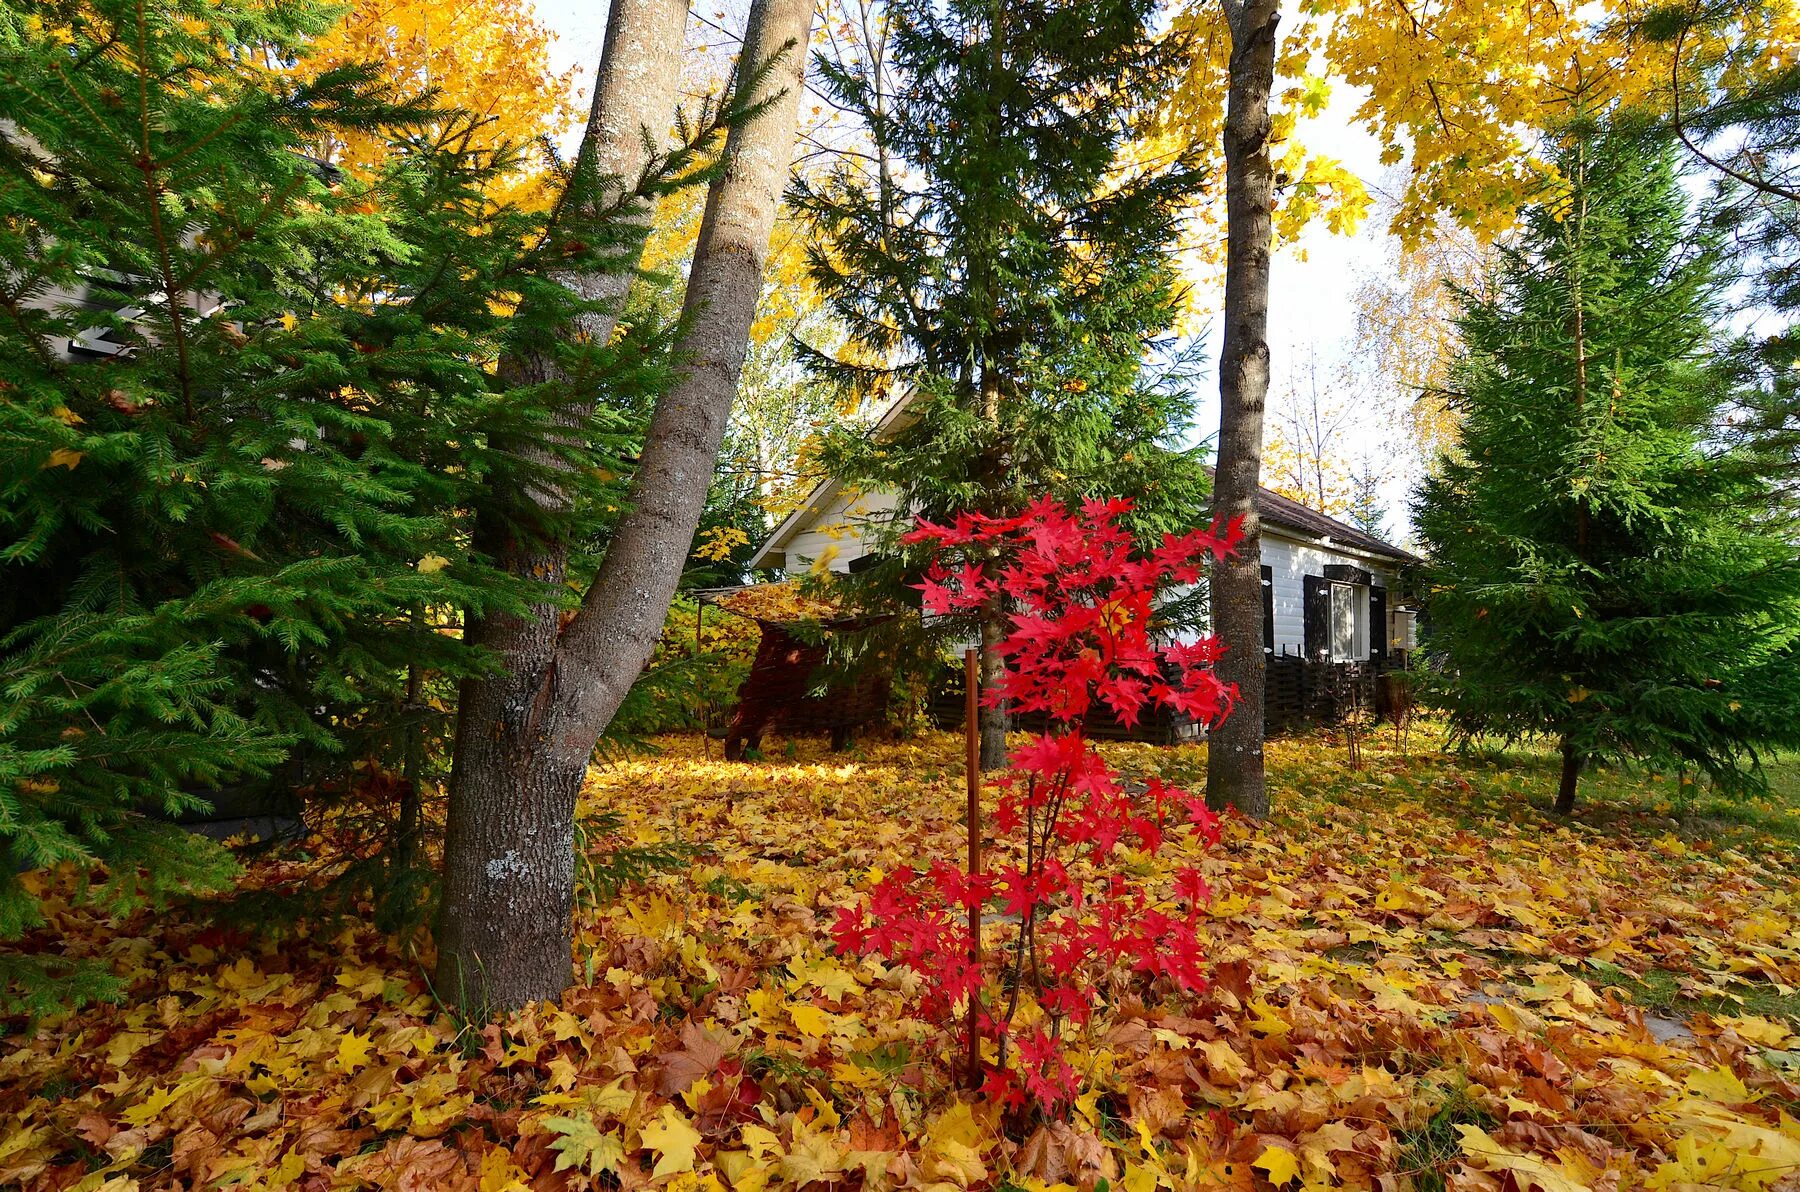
972 743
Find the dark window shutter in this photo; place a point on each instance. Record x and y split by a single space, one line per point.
1316 613
1268 591
1378 626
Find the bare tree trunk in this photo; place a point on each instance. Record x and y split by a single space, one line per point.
1576 231
503 932
1234 759
524 740
1571 774
993 619
612 637
993 717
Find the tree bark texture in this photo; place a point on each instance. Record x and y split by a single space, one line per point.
524 740
993 671
503 931
1571 775
1234 763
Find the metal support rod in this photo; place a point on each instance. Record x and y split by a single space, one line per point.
972 743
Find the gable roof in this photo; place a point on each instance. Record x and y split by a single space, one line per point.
1273 508
1277 510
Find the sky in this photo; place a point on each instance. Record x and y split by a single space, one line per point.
1312 283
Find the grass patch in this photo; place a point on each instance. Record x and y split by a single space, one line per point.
1428 1152
1659 992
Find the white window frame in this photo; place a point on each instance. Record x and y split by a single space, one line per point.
1356 597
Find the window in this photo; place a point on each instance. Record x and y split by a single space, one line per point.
1405 634
1349 613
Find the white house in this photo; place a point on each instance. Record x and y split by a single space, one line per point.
1329 590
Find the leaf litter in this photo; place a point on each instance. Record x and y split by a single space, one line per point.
1418 980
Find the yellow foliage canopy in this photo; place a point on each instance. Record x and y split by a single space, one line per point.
490 58
1455 89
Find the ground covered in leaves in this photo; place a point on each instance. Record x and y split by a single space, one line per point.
1421 980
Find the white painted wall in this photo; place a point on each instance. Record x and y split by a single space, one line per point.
1289 561
838 532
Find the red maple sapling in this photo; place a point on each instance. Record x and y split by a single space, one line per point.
1079 599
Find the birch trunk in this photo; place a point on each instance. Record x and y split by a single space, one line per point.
524 739
1234 760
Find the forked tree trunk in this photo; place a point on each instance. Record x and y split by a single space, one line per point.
1572 763
503 925
1234 758
622 617
524 739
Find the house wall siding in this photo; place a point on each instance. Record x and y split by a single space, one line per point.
1290 561
838 532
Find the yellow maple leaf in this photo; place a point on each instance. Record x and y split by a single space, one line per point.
500 1174
353 1050
742 1171
673 1139
811 1021
1697 1162
814 1157
157 1103
826 975
1224 1061
1755 1029
1514 1019
1267 1021
1528 1170
562 1073
432 563
1281 1164
952 1152
581 1144
62 457
1139 1178
1720 1084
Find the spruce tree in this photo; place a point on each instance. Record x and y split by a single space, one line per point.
1606 575
1003 258
1733 102
1365 511
248 416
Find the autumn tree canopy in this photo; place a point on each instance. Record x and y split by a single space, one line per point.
488 61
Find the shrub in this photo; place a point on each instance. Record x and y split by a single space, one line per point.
1080 604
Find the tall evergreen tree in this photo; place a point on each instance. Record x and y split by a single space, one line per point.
247 417
1606 575
1006 261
